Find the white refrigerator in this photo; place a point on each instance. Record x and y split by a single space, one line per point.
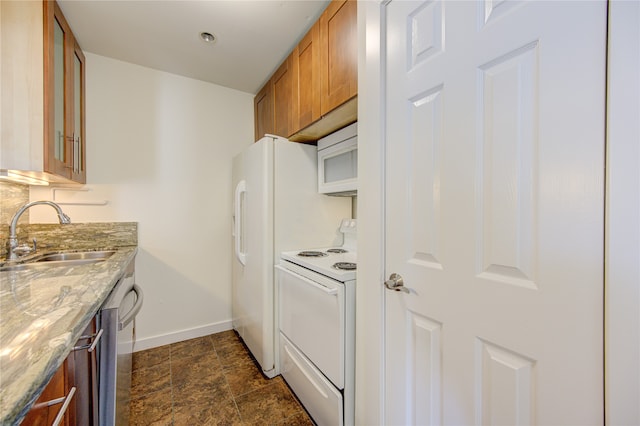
277 208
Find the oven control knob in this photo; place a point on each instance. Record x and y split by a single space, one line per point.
395 282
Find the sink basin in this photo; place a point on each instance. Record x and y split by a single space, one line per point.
61 259
87 256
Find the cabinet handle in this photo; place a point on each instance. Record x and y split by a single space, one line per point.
64 408
94 366
90 346
62 138
76 153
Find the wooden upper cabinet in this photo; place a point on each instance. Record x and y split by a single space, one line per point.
306 57
263 111
274 105
314 91
64 105
77 116
339 55
282 87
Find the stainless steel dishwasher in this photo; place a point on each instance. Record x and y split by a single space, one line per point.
117 319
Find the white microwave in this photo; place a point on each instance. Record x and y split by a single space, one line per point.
338 162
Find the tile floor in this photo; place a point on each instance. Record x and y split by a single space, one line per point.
210 380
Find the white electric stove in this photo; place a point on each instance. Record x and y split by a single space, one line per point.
316 322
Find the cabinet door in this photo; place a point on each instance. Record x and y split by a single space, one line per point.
63 98
307 83
76 116
282 83
85 375
339 57
57 36
44 411
263 111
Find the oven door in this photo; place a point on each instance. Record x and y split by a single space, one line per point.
312 317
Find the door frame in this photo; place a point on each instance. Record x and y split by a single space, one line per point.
622 216
622 227
370 310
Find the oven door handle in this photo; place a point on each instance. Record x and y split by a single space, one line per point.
327 290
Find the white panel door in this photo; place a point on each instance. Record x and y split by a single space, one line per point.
494 212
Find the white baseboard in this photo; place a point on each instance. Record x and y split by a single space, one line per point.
178 336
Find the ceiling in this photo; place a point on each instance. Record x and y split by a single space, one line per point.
252 36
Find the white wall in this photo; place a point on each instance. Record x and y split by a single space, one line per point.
159 150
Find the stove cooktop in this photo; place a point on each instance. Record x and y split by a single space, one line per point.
334 262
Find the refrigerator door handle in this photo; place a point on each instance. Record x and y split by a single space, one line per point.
241 188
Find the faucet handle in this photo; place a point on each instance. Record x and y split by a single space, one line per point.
25 249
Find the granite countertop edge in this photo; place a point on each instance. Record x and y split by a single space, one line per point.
92 285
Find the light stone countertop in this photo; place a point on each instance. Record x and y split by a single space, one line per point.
43 312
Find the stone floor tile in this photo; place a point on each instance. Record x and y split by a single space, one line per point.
211 380
206 411
152 409
268 405
149 380
150 357
192 347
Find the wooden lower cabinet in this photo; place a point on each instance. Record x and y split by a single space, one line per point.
51 401
76 379
85 376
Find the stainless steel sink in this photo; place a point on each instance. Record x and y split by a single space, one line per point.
88 256
60 259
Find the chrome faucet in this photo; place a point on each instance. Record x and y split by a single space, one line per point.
13 238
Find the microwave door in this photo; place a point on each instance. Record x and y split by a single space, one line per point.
338 168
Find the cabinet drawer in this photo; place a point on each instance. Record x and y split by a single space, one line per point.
321 399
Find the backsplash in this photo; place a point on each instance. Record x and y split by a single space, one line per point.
12 197
75 236
80 236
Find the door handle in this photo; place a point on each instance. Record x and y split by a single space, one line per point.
134 311
395 282
238 231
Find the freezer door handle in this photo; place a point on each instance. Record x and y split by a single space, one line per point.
241 189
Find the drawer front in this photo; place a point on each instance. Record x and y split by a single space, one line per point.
312 317
321 399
